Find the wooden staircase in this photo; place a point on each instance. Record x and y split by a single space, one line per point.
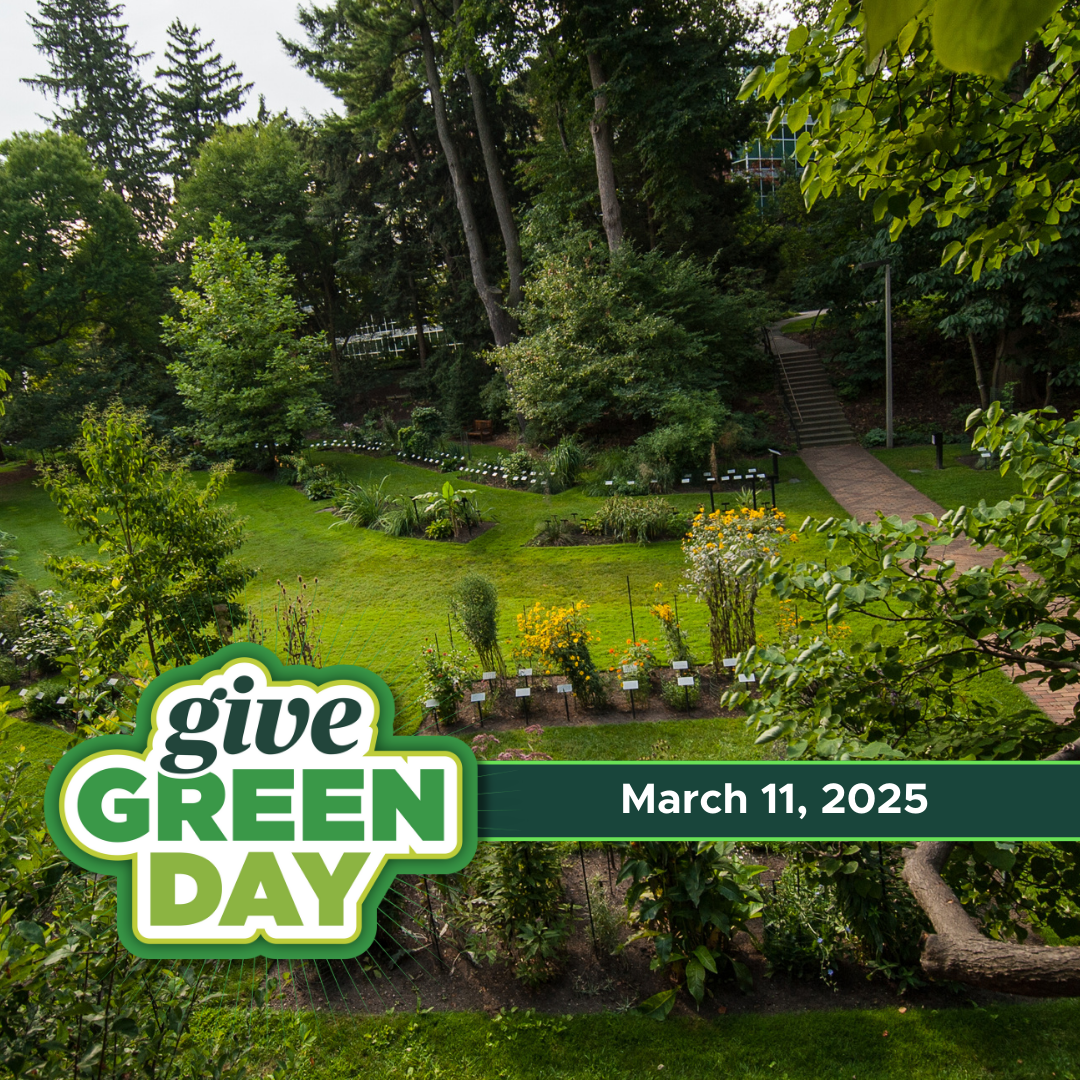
813 407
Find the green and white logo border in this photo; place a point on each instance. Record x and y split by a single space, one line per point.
138 744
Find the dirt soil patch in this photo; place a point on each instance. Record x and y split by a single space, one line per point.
18 474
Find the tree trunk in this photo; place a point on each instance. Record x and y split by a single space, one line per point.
502 326
421 341
604 152
497 182
980 382
959 952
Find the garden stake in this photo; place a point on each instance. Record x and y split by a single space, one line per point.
450 630
431 917
753 488
480 712
588 900
633 711
630 601
566 702
772 486
712 501
438 651
686 697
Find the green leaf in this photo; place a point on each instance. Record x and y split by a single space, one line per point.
31 931
695 979
884 20
797 38
658 1006
706 958
986 36
751 81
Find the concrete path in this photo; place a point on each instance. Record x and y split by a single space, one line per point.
865 487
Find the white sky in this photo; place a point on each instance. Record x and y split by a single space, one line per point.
244 32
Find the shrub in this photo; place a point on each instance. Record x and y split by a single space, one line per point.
47 707
804 930
639 519
45 626
439 529
411 440
445 678
680 697
516 897
474 607
429 421
561 637
724 550
689 898
520 463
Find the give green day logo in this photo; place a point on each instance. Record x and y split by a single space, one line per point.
258 810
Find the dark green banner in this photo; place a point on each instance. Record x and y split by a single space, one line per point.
739 800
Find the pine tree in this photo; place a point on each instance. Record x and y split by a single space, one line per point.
200 92
95 82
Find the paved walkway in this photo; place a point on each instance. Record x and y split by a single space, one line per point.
865 487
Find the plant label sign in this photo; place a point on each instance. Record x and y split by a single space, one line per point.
258 809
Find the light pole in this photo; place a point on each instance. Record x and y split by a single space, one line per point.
888 344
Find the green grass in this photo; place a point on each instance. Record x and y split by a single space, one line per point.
382 598
954 485
40 744
805 324
1009 1042
673 740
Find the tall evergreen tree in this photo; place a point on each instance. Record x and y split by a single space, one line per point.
100 96
199 92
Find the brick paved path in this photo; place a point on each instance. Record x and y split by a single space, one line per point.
863 486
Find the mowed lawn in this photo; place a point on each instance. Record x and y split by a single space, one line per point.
381 599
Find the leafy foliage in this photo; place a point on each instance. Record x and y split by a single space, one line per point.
250 382
689 898
561 637
514 896
996 154
75 1003
168 545
909 696
616 335
474 607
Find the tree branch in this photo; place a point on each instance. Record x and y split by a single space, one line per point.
958 951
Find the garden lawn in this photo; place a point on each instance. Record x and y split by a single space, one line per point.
954 485
382 598
1009 1042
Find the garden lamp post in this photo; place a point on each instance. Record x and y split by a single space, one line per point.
888 345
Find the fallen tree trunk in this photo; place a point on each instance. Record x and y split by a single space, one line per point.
958 951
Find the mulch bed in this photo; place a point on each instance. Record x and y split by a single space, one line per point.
503 711
19 473
404 971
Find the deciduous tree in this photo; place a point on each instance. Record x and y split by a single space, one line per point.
250 382
169 549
